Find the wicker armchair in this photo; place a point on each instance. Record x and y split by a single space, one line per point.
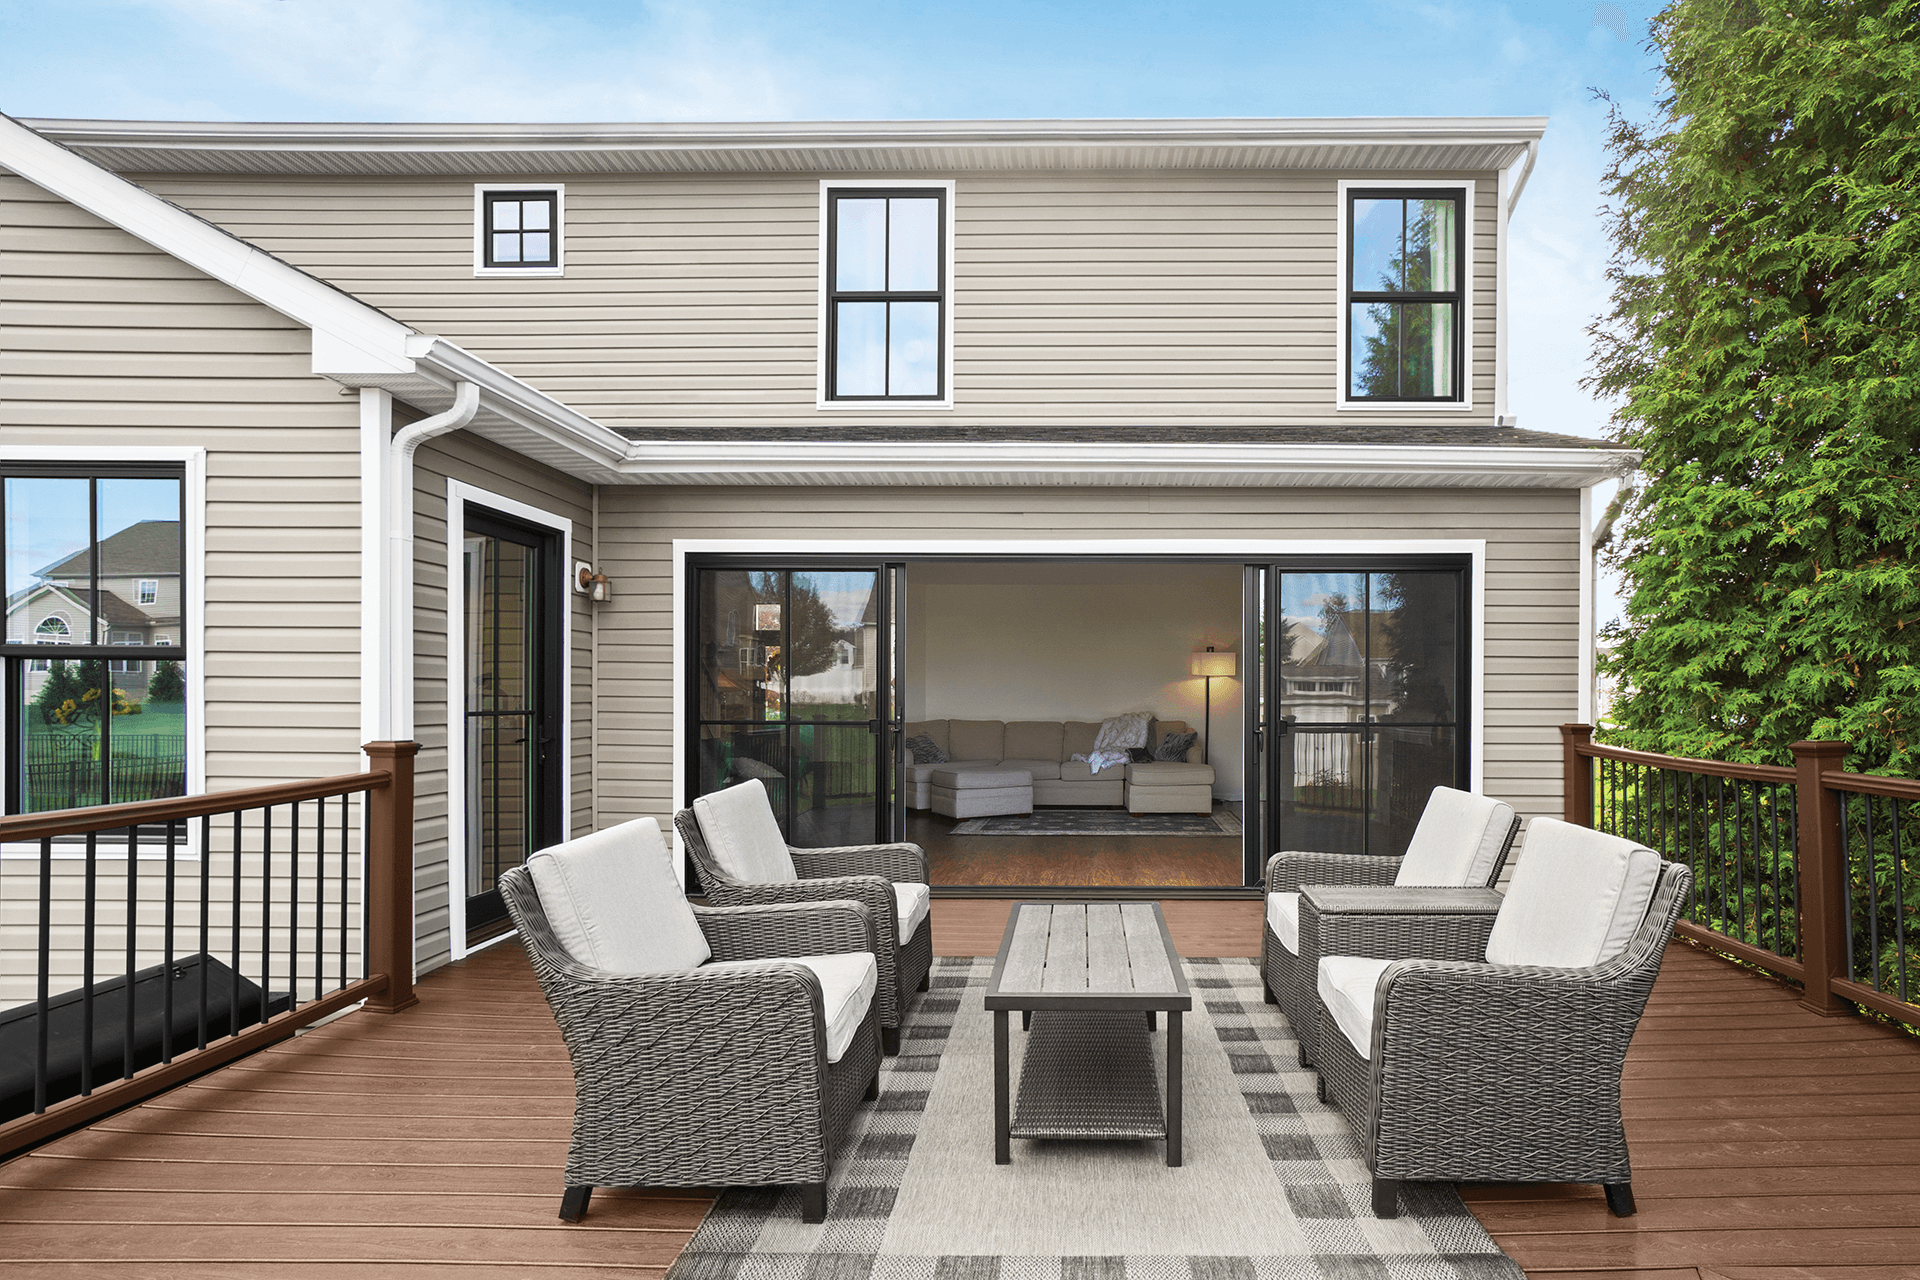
1462 841
744 1069
743 860
1507 1069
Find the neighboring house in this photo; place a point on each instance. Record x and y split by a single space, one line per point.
420 385
139 585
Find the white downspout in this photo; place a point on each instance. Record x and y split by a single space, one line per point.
1510 189
399 522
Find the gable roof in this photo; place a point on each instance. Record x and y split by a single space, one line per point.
145 548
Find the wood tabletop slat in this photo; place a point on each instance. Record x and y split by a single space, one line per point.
1146 948
1066 949
1108 968
1027 952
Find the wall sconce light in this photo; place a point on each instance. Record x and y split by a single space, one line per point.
595 585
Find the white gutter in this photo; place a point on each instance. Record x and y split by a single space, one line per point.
397 515
1526 171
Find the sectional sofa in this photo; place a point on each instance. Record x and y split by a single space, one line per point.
1045 749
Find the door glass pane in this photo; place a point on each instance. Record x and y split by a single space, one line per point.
913 349
731 754
836 801
1416 628
501 618
913 245
860 349
731 665
860 245
500 751
833 639
1409 762
1322 690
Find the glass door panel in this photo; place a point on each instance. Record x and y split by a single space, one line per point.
1321 798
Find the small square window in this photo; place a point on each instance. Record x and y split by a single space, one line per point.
147 591
518 230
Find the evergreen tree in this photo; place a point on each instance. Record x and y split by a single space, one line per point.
1763 348
167 684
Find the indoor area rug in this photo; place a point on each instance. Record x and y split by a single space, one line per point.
1273 1187
1102 822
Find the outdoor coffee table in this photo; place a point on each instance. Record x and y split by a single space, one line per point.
1096 973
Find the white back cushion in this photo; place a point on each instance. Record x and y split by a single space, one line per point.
1576 899
614 902
743 836
1457 841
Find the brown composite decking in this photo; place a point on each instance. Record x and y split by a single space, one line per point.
1769 1144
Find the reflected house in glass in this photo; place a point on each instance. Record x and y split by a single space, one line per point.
140 562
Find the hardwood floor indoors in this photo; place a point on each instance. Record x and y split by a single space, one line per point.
1208 862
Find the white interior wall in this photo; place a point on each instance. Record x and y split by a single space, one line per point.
1074 641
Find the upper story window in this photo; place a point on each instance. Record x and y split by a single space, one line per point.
517 230
147 591
886 295
1405 295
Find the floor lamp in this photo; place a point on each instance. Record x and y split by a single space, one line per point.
1209 663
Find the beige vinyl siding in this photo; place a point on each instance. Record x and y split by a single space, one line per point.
1531 659
1080 299
106 343
471 460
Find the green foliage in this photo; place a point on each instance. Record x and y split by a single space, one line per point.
167 684
1764 349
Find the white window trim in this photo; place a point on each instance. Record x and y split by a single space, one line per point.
820 400
1465 404
480 190
1068 549
146 590
459 494
193 624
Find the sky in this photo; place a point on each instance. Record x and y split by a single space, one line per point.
579 60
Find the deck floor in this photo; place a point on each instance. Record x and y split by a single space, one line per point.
1769 1145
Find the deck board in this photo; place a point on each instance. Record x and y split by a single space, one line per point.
1768 1143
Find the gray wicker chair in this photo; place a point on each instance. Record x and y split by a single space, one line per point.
715 1075
1480 1071
1462 840
865 873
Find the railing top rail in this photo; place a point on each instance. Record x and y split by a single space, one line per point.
1685 764
106 817
1872 784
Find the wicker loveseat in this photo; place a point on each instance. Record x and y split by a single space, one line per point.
743 860
1462 839
710 1046
1506 1069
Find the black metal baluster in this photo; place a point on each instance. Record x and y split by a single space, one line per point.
206 918
233 1004
166 966
133 945
343 889
46 963
1899 895
293 906
1873 893
266 905
1779 908
1740 858
1720 853
89 922
320 896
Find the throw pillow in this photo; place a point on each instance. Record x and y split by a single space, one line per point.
1117 733
1175 746
1139 755
925 750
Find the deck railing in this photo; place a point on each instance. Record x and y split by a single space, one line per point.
1805 872
234 920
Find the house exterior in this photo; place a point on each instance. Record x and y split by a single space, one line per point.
426 391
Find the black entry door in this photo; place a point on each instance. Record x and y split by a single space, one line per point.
1363 706
515 607
795 683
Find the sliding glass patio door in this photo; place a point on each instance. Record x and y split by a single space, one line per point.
796 683
1361 709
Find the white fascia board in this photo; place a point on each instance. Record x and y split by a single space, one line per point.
348 335
1395 466
518 402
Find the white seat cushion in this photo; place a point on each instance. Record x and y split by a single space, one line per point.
847 982
1576 899
743 837
1347 985
910 902
614 902
922 773
1283 917
1458 840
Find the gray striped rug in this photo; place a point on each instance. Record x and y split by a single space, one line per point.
1273 1187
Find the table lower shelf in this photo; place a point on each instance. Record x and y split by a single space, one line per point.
1088 1075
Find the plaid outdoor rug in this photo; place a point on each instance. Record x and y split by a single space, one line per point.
1102 822
1273 1187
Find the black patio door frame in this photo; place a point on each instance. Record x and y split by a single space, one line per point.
890 815
547 685
1265 724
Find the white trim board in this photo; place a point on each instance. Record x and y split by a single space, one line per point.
1066 549
459 494
1465 404
193 597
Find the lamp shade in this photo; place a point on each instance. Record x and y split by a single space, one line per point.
1215 663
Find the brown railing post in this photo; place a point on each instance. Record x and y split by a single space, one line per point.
1576 785
1822 869
389 886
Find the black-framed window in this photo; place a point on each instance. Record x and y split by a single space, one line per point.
95 689
1405 294
520 229
886 293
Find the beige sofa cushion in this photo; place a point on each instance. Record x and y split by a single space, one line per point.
1081 771
935 729
1046 769
1076 738
1033 740
976 739
1165 773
